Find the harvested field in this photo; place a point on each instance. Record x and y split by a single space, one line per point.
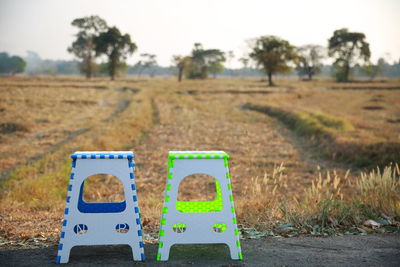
282 141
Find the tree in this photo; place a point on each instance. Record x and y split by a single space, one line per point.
309 60
347 47
147 61
215 68
273 54
244 61
370 70
202 60
36 65
11 65
83 47
230 57
373 70
116 47
4 62
182 63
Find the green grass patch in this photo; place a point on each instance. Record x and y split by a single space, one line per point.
320 123
41 189
322 130
306 123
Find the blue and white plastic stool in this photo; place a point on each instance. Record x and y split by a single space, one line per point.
88 223
198 222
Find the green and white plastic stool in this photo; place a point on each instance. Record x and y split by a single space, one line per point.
92 223
198 222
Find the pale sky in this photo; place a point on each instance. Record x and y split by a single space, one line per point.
169 27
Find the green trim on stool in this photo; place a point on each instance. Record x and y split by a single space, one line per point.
202 206
197 155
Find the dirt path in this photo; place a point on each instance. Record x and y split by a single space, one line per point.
126 95
214 122
372 250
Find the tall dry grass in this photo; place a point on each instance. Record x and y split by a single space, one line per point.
321 207
381 190
257 206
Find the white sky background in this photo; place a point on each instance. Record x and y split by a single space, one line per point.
172 27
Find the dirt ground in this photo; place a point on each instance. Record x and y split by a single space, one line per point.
349 250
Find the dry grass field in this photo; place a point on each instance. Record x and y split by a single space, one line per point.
304 155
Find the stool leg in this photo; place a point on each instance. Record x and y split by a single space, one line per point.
137 254
63 254
164 251
234 250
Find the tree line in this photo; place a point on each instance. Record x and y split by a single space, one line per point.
270 54
35 65
274 55
11 64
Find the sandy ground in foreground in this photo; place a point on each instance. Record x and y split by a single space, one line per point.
371 250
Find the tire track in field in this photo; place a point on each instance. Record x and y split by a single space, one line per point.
308 153
71 136
213 123
122 104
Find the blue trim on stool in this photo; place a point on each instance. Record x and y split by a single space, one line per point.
95 207
102 155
